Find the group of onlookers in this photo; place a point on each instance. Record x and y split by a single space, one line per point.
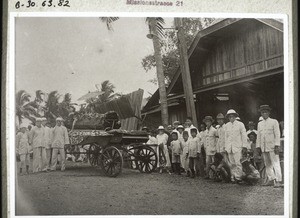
44 143
222 151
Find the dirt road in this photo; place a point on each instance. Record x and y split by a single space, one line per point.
82 190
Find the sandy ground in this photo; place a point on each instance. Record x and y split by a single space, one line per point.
83 190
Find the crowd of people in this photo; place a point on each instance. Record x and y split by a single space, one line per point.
222 151
44 143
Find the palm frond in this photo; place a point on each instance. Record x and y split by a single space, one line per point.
159 23
108 21
22 97
38 95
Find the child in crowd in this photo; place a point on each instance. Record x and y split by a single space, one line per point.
164 158
184 158
176 152
220 168
23 148
194 150
152 138
256 157
250 174
180 130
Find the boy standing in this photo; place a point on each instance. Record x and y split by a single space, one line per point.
185 150
23 148
176 152
210 142
194 150
162 140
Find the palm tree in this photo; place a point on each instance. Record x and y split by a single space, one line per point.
156 28
107 93
52 106
24 107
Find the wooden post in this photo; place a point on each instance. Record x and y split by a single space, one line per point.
185 72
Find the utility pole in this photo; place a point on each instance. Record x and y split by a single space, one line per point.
185 72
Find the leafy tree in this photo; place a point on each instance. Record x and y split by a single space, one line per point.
24 107
156 28
169 47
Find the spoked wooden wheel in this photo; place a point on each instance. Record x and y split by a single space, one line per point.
147 159
111 161
93 155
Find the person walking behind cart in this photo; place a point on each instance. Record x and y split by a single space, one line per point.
48 136
268 142
235 144
176 148
60 138
194 150
37 140
163 152
23 148
210 142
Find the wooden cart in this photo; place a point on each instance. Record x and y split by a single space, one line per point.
109 150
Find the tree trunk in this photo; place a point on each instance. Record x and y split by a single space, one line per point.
185 73
159 72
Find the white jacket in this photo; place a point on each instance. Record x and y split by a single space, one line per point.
268 135
37 137
235 137
60 137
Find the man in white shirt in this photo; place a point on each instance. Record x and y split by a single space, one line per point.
268 142
210 142
60 138
48 136
235 144
37 140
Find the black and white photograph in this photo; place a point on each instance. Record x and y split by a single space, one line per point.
132 115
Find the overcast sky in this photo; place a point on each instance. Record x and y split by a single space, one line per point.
73 54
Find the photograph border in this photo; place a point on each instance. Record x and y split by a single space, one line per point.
10 97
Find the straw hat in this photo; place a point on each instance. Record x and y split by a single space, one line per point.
232 112
220 116
176 122
59 119
180 127
208 118
161 128
264 107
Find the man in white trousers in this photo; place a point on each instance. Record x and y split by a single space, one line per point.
268 142
235 144
37 140
48 137
60 138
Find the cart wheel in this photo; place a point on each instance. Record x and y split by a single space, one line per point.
111 161
93 155
147 159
